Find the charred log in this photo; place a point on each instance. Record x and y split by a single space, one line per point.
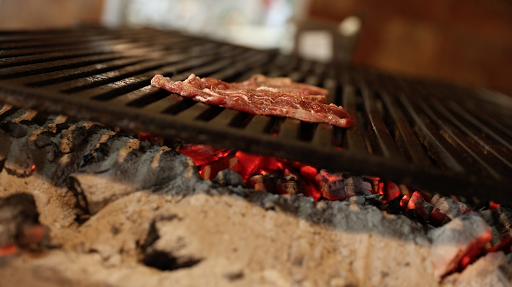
130 167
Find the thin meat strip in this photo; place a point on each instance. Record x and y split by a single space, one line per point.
286 85
262 96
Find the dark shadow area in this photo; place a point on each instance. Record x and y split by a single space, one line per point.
163 261
160 259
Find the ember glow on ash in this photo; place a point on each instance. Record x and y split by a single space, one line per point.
258 172
493 205
282 176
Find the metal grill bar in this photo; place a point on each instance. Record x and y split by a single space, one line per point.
432 136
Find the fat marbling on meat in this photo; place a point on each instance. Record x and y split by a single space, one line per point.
262 96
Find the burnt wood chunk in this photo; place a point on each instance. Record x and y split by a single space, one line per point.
393 206
503 220
130 167
336 186
17 130
276 184
446 209
373 200
265 182
496 237
418 203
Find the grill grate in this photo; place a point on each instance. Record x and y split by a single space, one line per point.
433 136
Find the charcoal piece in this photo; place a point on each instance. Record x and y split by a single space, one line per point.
265 182
332 186
276 184
435 198
374 181
19 223
336 186
374 200
18 161
229 177
487 216
65 146
503 220
52 151
291 184
284 186
421 207
358 185
446 209
77 134
62 126
451 242
71 137
358 199
393 206
99 154
43 139
17 130
390 190
415 216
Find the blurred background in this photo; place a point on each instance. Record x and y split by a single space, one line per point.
467 42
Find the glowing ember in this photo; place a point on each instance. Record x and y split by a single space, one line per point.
389 190
8 250
377 184
493 205
281 176
336 186
145 137
417 202
404 202
458 243
202 154
210 170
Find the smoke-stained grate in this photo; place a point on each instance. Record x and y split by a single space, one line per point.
435 137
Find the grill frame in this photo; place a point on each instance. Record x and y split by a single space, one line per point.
425 134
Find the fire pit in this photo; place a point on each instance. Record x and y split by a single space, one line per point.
438 137
118 207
